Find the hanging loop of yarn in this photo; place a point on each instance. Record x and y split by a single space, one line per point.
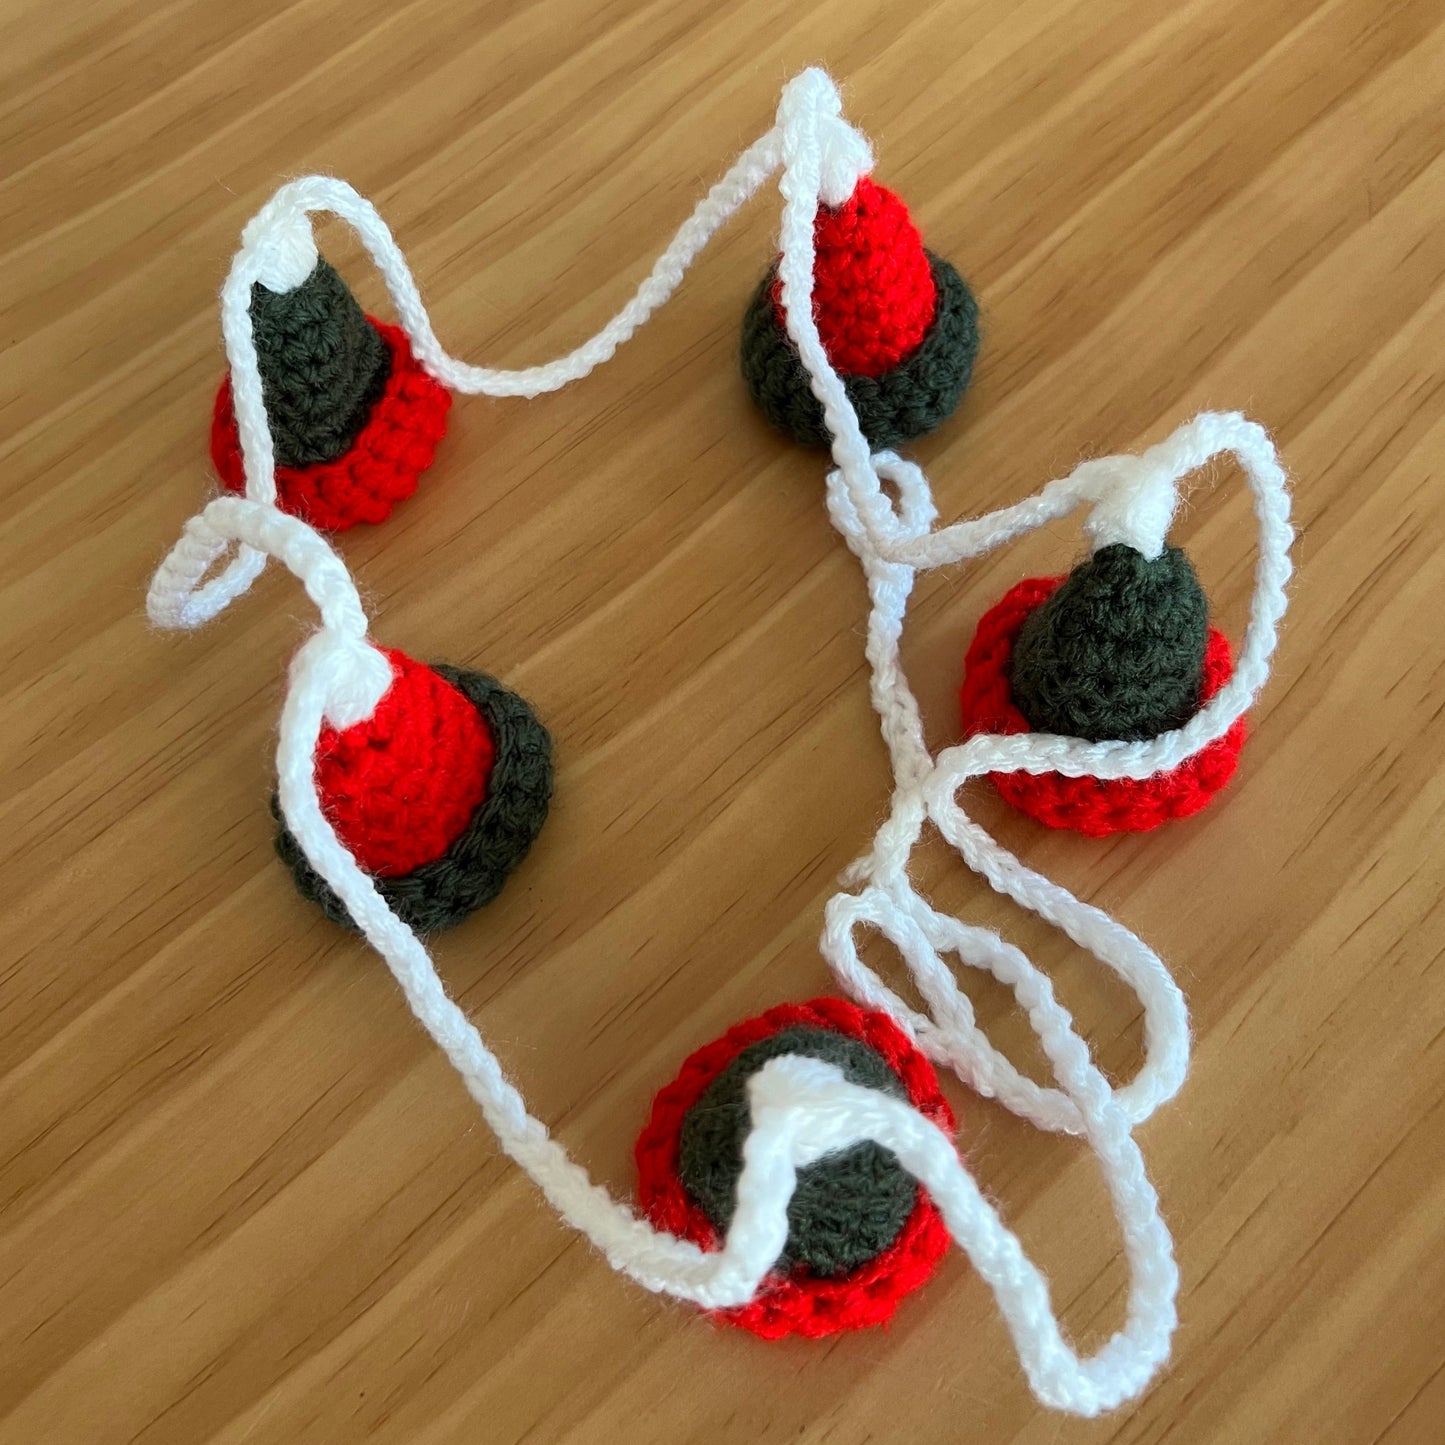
350 674
800 1108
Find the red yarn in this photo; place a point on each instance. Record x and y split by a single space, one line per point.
799 1303
381 468
1095 806
401 787
873 291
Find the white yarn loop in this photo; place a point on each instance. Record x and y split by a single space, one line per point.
349 674
801 1108
278 250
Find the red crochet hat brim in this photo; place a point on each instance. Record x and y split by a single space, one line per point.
799 1303
382 465
1094 806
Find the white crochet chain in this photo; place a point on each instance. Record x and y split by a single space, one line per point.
801 1108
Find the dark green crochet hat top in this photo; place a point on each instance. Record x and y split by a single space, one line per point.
849 1206
322 363
1117 651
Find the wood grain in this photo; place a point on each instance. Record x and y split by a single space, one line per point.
241 1197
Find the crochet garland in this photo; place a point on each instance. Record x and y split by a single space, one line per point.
804 1109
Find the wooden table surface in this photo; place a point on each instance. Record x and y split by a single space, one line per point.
242 1197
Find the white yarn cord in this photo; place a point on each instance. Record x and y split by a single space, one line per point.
1141 487
801 1108
278 250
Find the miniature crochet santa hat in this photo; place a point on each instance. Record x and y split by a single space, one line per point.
1120 649
354 418
897 322
861 1233
438 794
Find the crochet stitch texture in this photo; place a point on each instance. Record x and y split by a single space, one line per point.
897 324
846 1208
322 366
438 893
799 1301
395 445
912 399
1094 806
400 787
1117 651
874 295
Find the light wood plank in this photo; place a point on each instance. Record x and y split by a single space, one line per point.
241 1197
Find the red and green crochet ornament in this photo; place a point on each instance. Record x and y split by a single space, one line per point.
438 795
354 418
1121 648
898 323
862 1234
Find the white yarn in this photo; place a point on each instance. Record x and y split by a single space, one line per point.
925 787
801 1108
278 250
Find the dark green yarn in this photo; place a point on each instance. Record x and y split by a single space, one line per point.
440 894
1117 651
323 365
916 396
849 1206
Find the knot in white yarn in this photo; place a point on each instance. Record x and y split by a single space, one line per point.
846 158
844 155
800 1089
350 674
911 517
1134 502
279 242
915 512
